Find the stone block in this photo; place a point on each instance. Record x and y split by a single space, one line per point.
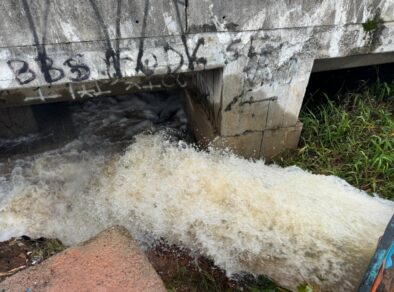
247 145
275 141
111 261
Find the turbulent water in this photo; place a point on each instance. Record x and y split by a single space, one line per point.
283 222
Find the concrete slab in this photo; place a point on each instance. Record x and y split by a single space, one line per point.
111 261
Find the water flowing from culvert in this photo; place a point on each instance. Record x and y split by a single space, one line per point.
283 222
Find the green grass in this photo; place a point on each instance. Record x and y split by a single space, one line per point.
351 137
205 280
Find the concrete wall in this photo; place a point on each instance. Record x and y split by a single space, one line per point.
254 57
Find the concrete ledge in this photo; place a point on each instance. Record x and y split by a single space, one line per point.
247 144
251 144
111 261
276 141
266 144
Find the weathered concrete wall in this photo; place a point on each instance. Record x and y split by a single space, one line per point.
261 55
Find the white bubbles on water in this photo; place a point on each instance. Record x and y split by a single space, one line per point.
283 222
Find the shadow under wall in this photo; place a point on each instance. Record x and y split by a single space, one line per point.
334 83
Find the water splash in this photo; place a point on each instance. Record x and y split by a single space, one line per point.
287 223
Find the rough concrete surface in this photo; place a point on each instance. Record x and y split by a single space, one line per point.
111 261
256 58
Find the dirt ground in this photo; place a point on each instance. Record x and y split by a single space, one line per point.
19 253
180 269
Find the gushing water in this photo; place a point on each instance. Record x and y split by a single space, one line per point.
287 223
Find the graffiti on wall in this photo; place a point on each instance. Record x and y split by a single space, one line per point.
77 91
76 69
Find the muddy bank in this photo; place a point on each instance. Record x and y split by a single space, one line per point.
179 268
20 253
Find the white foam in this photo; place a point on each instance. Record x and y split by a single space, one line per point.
283 222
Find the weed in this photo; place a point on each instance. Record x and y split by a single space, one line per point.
351 137
370 25
373 24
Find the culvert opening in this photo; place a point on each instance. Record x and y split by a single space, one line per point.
242 215
334 83
113 120
348 126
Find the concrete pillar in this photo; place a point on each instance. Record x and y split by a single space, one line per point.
254 123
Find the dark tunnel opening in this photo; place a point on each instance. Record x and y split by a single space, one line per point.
114 119
336 83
